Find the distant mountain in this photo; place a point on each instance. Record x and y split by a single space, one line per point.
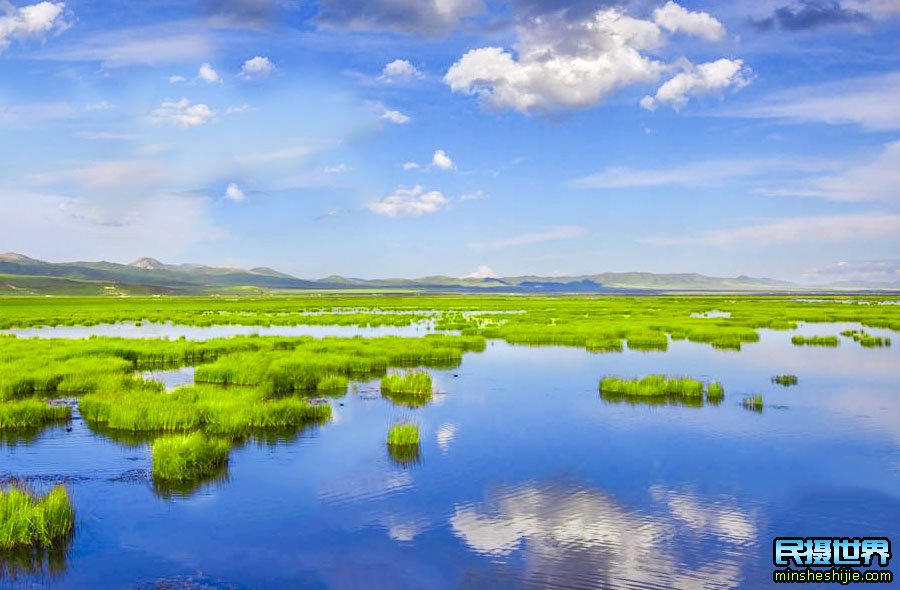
22 275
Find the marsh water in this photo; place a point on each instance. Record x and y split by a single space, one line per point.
526 478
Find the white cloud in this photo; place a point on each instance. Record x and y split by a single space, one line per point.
441 160
870 102
98 106
564 232
234 193
400 70
241 108
149 45
395 117
257 68
708 78
877 180
289 153
176 79
104 175
473 196
675 18
181 113
409 201
700 173
163 224
410 166
881 271
567 64
483 272
39 112
338 169
208 74
821 229
30 22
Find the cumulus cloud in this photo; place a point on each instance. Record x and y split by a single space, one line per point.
820 229
30 22
441 160
391 115
257 68
427 18
409 201
700 80
410 166
234 193
560 63
208 74
181 113
400 70
483 272
675 18
176 79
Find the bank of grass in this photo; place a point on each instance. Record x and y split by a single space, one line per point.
655 389
785 380
415 383
30 520
188 457
30 413
235 411
866 340
829 341
753 402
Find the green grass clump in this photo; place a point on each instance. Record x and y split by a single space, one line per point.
28 413
661 390
785 380
652 385
217 410
865 339
753 402
715 392
188 457
815 341
403 434
28 520
414 383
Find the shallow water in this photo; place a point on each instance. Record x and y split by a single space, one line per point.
174 331
526 479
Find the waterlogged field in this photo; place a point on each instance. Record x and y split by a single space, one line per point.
493 442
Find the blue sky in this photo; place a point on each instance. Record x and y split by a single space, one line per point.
378 138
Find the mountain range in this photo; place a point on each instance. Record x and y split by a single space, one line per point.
21 275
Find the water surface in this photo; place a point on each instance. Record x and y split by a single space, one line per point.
526 479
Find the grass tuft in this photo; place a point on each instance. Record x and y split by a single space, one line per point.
753 402
28 520
403 434
831 341
785 380
188 457
29 413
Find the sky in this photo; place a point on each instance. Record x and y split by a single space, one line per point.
405 138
